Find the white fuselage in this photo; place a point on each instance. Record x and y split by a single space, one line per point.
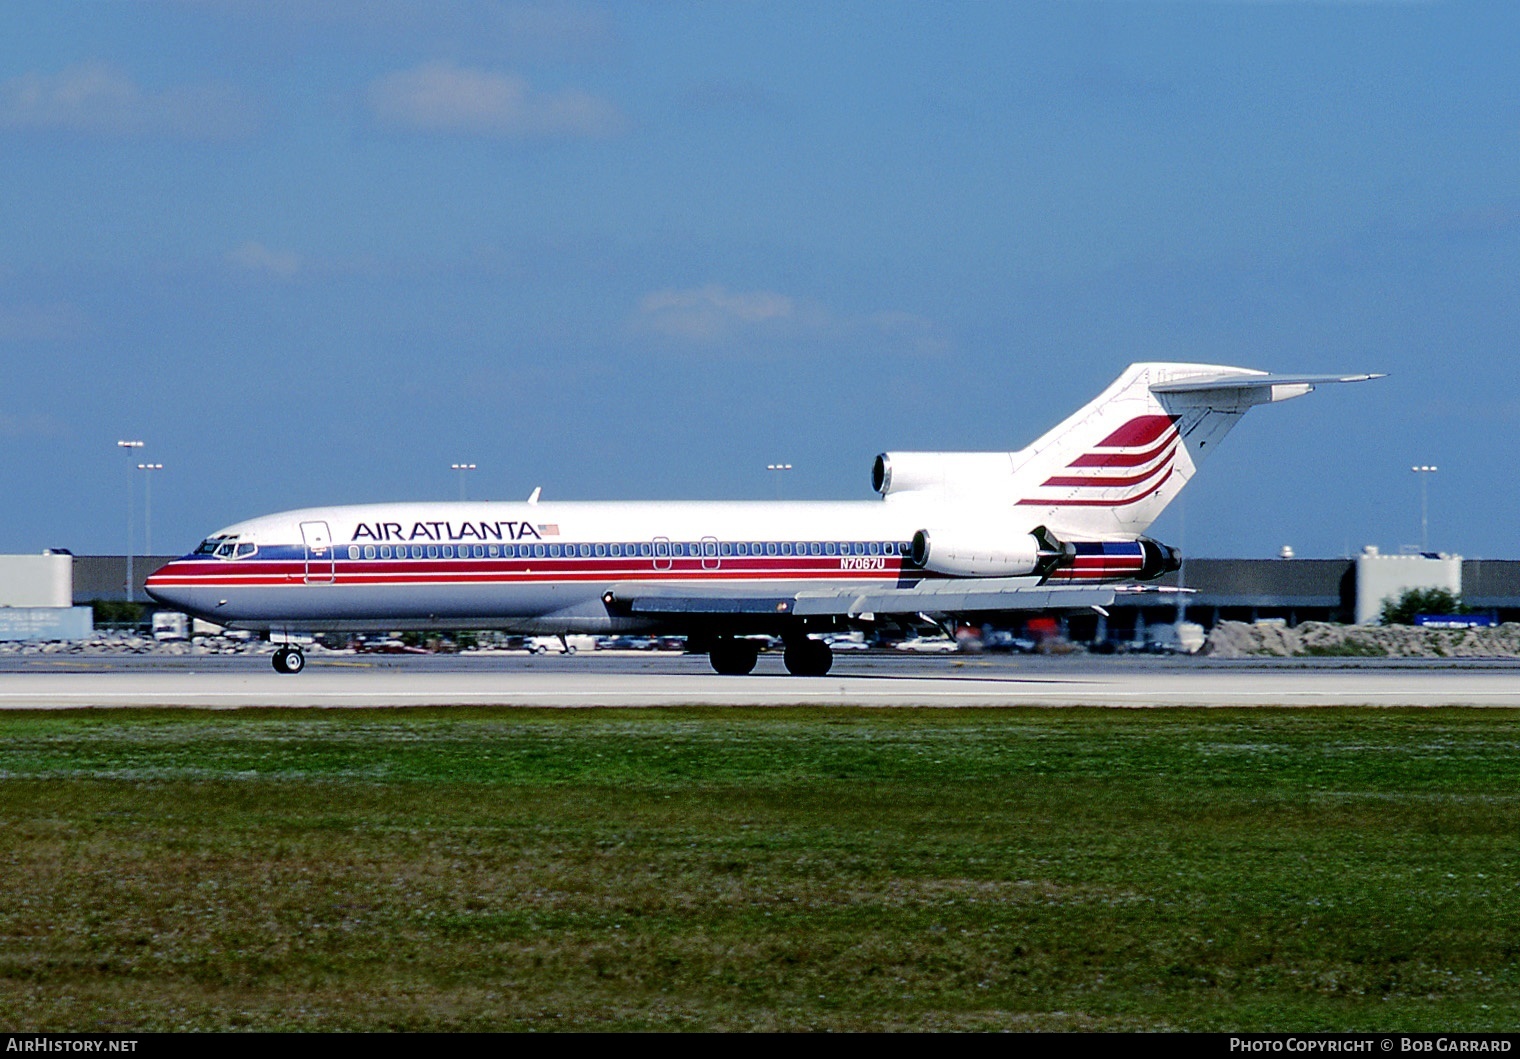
1069 508
539 567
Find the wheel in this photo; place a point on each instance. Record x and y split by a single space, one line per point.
733 658
808 658
289 660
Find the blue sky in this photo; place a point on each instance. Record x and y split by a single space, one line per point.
315 251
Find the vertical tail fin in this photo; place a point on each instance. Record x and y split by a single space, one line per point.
1112 468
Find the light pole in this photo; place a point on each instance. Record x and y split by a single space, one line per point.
148 469
778 468
129 446
1424 472
461 468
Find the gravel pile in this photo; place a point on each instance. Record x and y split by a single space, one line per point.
1235 639
125 643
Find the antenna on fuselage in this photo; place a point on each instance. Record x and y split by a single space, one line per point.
533 496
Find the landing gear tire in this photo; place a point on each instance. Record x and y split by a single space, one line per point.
733 658
808 658
289 660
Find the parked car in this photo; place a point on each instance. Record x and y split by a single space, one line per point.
388 646
560 645
929 645
1002 640
626 643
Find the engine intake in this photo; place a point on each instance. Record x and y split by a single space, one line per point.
906 472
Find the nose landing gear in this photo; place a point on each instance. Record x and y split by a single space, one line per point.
289 660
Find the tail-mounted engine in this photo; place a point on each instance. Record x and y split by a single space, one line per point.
1159 559
1141 559
894 473
977 552
988 553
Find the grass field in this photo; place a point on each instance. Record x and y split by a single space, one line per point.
765 869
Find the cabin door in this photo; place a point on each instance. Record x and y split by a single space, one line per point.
662 559
319 553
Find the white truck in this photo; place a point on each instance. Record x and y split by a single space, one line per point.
170 625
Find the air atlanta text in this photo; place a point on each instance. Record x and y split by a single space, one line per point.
447 531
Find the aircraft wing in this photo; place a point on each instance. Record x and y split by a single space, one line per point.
931 596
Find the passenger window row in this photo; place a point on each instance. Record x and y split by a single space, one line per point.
636 550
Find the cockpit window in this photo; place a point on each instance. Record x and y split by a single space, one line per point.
226 546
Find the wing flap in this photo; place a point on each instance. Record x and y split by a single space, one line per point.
937 596
697 604
954 596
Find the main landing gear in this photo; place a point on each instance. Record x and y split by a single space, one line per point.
808 658
803 657
733 658
289 659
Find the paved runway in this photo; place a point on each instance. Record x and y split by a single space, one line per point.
344 681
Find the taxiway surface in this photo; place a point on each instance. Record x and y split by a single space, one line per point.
62 682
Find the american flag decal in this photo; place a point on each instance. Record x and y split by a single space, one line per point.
1135 460
549 529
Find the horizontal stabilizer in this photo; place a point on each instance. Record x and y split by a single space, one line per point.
1254 382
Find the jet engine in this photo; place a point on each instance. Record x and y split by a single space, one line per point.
1141 559
906 472
983 552
1159 559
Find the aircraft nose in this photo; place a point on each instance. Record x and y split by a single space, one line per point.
164 586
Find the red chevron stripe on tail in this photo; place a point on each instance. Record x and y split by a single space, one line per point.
1142 430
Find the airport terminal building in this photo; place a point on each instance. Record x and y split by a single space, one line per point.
1347 591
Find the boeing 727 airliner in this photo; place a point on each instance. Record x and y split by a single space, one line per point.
1055 525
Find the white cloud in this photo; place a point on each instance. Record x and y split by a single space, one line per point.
712 315
256 257
908 332
442 97
539 31
97 99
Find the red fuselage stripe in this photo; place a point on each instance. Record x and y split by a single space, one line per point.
411 572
